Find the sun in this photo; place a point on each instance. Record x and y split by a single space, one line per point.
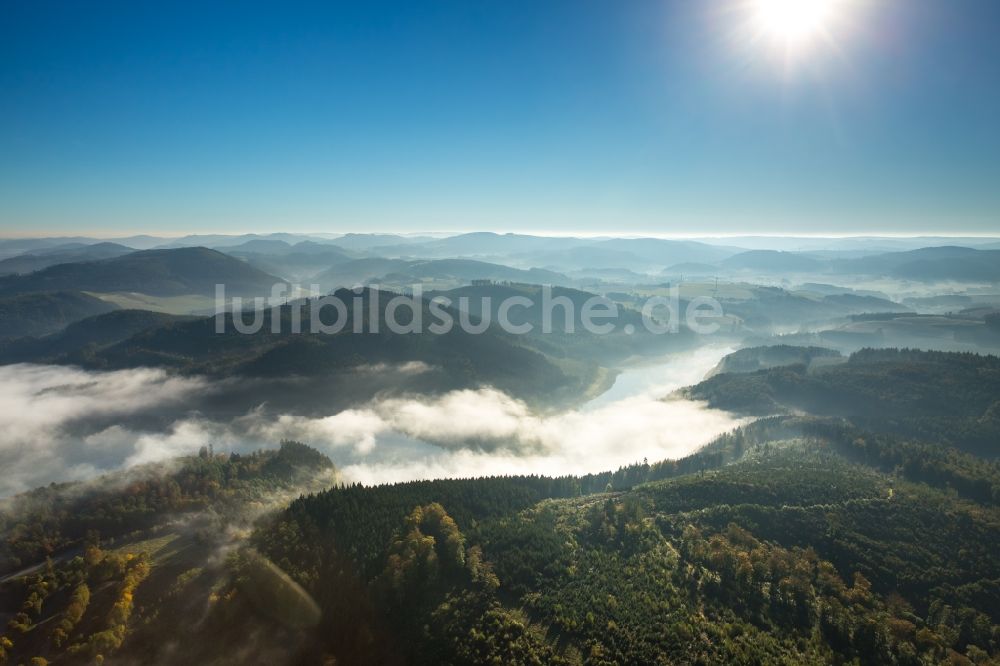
793 22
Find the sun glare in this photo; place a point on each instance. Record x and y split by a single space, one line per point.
793 22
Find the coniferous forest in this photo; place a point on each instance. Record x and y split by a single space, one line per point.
819 535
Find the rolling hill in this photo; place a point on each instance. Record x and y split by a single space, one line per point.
566 253
341 359
297 263
43 258
404 273
466 270
665 252
194 270
77 341
773 261
931 264
475 244
568 337
39 314
752 359
357 271
951 398
377 242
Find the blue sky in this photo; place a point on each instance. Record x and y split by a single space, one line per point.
545 115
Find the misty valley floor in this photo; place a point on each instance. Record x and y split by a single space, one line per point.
123 418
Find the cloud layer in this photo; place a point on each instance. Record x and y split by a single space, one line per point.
49 411
65 424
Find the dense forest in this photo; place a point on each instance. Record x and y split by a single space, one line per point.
751 359
947 398
48 520
819 537
84 565
792 554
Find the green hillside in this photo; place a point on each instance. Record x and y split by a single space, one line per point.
79 340
44 313
189 270
952 398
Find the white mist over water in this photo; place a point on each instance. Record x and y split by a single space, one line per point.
65 424
658 377
629 422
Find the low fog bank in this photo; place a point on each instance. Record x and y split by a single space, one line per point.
574 442
895 289
66 424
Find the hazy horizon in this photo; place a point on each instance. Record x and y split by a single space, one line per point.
589 234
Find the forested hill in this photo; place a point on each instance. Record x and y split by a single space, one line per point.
80 340
86 568
45 313
336 356
46 521
950 398
794 539
789 541
172 272
751 359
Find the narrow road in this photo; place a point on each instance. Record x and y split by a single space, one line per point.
27 571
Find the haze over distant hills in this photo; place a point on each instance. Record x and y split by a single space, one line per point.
843 282
157 272
61 254
479 242
931 263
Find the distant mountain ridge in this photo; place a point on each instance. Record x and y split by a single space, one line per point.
773 261
937 263
366 270
299 256
155 272
43 258
562 253
297 263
